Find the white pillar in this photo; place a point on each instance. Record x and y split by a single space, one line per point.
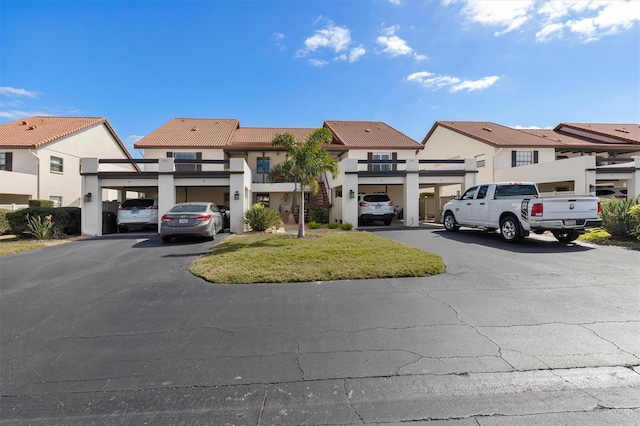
411 214
349 168
633 184
166 187
471 171
91 211
239 193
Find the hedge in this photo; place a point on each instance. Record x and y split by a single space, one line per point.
67 219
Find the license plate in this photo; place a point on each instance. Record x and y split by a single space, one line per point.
378 206
183 221
570 222
134 211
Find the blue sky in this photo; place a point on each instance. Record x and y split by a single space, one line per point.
296 63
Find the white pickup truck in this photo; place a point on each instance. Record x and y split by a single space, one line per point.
516 208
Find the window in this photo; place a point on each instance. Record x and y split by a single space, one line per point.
57 201
381 167
263 199
480 160
523 158
262 165
6 160
187 167
482 192
469 193
55 164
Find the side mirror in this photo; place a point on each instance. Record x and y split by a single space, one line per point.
456 197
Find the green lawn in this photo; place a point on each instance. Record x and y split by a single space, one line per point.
602 237
321 256
14 245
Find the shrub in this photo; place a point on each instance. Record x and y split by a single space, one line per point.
65 219
261 218
634 211
333 225
4 222
319 215
313 225
617 219
346 226
40 203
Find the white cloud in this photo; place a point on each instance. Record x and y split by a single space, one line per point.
14 92
395 1
278 36
317 63
353 55
453 84
333 38
395 46
330 37
587 20
508 15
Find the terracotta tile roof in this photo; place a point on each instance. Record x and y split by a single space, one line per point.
622 132
191 132
36 131
493 134
261 137
566 140
502 136
369 134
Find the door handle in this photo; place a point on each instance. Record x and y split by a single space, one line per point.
482 204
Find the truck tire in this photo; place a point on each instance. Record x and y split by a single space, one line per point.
566 236
510 229
450 223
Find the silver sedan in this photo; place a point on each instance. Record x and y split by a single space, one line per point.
197 219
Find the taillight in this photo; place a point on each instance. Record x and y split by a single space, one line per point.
536 210
203 217
390 203
599 209
364 204
166 218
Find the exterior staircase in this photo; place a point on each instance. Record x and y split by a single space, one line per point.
320 199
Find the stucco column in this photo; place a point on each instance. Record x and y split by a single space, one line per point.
349 168
589 184
411 194
633 185
166 187
470 173
239 193
91 211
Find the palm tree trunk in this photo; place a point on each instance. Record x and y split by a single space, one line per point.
301 213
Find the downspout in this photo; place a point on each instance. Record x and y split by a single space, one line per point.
37 173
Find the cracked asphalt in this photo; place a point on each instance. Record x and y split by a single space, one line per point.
114 330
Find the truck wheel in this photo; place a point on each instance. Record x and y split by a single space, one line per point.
450 222
510 229
566 236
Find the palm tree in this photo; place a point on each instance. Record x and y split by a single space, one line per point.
305 162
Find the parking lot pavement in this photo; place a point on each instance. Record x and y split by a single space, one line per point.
115 330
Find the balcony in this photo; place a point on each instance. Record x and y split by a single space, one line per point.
18 183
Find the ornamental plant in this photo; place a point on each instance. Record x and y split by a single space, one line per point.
41 227
617 218
261 218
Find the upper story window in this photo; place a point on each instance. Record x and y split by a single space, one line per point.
187 167
523 158
57 200
262 165
55 164
480 160
6 161
381 167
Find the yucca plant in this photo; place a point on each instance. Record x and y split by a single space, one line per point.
41 227
617 217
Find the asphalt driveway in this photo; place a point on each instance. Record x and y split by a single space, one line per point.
114 330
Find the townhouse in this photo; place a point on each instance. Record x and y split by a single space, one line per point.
40 158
